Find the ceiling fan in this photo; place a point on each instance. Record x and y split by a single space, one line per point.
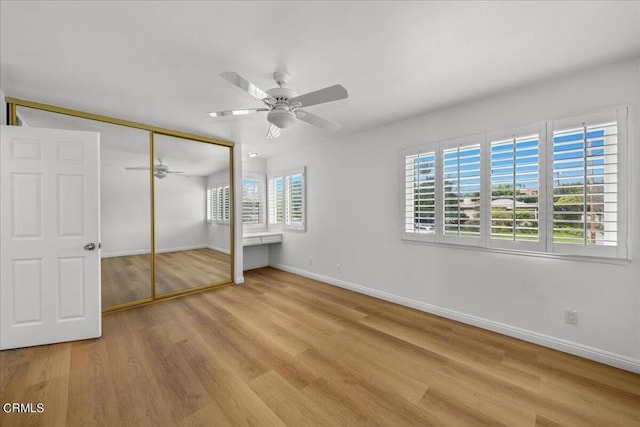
159 171
284 105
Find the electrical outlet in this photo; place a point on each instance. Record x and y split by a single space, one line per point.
310 261
571 317
338 267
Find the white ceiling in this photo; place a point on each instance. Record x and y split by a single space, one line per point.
159 62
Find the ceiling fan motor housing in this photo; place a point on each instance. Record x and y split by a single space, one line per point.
282 114
284 106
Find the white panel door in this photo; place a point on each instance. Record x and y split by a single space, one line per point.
49 213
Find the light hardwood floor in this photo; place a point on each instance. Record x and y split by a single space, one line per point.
128 278
286 350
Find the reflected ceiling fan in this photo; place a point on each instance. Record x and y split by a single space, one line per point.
159 171
284 105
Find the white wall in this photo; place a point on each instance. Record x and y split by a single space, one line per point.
354 202
238 256
3 109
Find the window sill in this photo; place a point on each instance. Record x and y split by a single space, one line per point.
286 228
603 260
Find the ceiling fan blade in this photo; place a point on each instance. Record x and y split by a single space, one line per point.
236 112
328 94
246 85
273 132
173 171
138 168
315 120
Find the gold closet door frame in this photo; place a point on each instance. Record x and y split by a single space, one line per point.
13 103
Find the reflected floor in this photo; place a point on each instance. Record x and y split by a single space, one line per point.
127 278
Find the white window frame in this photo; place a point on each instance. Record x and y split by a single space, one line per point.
273 217
539 129
438 148
464 142
286 222
261 189
545 244
410 156
621 116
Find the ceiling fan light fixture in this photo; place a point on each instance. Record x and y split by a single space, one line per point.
281 118
283 104
160 174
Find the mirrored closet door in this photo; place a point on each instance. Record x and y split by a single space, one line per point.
125 217
191 250
160 234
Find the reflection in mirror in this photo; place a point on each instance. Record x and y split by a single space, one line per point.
125 203
192 250
125 198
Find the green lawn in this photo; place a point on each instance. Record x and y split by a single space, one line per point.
558 236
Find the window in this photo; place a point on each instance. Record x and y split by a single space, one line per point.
461 191
515 190
420 206
287 199
294 201
554 187
218 204
276 200
253 200
589 207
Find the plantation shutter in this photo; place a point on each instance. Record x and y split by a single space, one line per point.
587 193
251 201
209 207
420 194
461 183
515 192
215 205
294 201
276 200
226 203
556 187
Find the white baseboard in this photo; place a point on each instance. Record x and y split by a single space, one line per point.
587 352
160 251
239 280
223 250
180 248
252 266
125 253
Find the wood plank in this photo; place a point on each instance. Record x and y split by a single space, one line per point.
128 278
286 350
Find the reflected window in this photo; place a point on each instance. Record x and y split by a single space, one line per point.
218 204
